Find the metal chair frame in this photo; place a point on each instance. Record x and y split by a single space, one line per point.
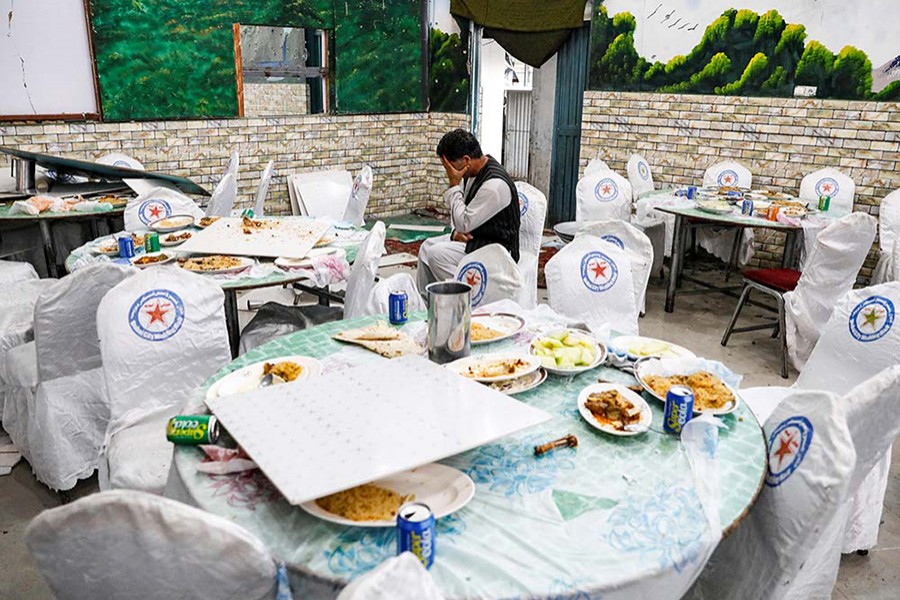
779 325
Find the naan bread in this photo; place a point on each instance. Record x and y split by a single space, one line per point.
380 338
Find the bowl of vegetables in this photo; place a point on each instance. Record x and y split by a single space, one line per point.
568 351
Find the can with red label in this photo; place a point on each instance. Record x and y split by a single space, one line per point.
772 212
416 532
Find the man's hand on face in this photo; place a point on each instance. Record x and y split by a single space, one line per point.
459 236
454 175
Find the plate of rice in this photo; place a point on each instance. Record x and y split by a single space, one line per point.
287 368
711 394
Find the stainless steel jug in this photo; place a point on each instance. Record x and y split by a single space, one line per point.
449 319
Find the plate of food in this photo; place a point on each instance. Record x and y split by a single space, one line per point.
152 259
173 223
711 394
288 264
635 347
175 239
115 201
493 327
217 264
286 369
444 489
205 222
382 339
614 409
796 212
716 207
525 383
490 368
568 351
106 246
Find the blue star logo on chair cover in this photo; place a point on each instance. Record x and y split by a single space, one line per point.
872 319
476 276
598 271
727 178
612 239
643 170
156 315
606 190
788 445
154 209
827 186
523 204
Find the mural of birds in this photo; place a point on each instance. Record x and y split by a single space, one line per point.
655 10
675 23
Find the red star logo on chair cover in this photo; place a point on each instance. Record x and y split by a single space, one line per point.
157 314
606 190
728 179
472 278
154 210
788 445
826 187
599 269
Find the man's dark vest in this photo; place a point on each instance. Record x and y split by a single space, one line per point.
502 228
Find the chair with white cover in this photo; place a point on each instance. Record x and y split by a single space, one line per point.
162 334
362 276
359 197
639 175
769 556
492 273
262 191
233 165
732 245
400 577
321 194
590 280
12 271
635 243
56 412
123 544
888 232
601 196
595 165
829 182
158 203
728 173
223 197
532 212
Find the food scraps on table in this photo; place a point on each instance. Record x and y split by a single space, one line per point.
207 221
495 368
365 502
569 441
710 392
150 259
612 409
564 350
286 370
211 263
249 226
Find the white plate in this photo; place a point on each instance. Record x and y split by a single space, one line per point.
444 489
245 263
599 354
627 343
461 366
718 207
96 248
505 323
640 427
169 258
165 244
521 384
175 223
657 366
305 263
247 378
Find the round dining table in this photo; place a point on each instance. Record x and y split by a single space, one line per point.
613 513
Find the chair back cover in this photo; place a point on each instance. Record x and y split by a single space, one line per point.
639 175
158 203
829 182
888 231
601 196
13 271
398 578
378 300
65 320
117 159
590 280
830 272
322 193
355 212
595 165
128 544
262 192
362 274
728 173
635 243
223 197
233 164
492 273
162 334
533 213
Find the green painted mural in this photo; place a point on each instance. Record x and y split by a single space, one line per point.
448 88
175 58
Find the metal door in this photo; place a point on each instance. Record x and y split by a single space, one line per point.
517 133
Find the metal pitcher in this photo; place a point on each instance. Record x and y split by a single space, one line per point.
449 318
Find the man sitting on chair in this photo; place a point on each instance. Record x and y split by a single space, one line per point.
483 204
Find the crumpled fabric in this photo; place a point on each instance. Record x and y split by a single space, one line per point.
378 303
888 233
326 270
359 197
362 274
223 461
223 197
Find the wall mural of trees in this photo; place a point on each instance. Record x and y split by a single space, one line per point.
741 53
448 88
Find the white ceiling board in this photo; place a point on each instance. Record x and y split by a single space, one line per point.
291 237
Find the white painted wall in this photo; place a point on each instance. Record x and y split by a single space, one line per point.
543 100
493 66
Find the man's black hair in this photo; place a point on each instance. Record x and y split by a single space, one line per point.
458 143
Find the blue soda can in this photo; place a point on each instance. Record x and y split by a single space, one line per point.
747 207
126 247
398 307
679 408
691 192
416 532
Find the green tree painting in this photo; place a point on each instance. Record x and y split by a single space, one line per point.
448 88
740 53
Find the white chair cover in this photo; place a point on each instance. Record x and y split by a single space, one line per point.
322 193
378 300
13 272
233 164
728 173
590 280
361 281
639 175
223 197
162 333
830 273
602 196
595 165
888 232
262 192
399 578
533 213
158 203
633 241
830 182
139 186
492 273
811 462
359 197
125 544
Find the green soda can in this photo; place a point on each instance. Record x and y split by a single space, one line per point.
247 212
824 203
193 429
151 242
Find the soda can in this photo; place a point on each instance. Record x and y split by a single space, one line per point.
151 242
398 307
126 247
691 192
772 213
679 408
416 532
747 207
824 203
193 429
